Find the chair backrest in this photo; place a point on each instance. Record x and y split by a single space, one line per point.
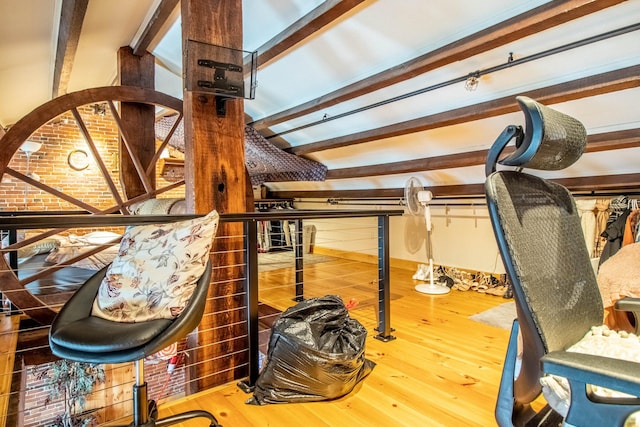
66 333
539 235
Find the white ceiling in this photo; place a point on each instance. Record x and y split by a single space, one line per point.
371 38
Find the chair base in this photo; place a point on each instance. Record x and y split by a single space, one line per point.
174 419
148 416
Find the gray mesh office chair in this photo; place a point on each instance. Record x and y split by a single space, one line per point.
538 231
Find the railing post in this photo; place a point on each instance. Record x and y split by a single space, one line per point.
13 255
13 263
384 282
251 291
299 253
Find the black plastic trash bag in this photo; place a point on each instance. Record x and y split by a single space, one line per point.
316 352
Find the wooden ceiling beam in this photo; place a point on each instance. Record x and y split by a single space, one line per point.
531 22
589 184
599 84
617 140
162 13
382 193
457 160
71 18
602 183
318 18
322 194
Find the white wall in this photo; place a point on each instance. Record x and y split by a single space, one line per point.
462 235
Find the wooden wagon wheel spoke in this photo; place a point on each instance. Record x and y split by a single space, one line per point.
34 239
97 157
29 240
48 270
51 190
142 174
71 195
164 144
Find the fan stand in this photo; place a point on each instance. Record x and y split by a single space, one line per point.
430 288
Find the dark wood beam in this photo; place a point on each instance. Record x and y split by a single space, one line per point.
312 22
599 142
443 190
599 84
534 21
458 160
327 194
617 140
155 24
137 135
589 184
216 179
602 183
71 18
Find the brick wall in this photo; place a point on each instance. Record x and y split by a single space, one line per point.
59 137
35 412
111 400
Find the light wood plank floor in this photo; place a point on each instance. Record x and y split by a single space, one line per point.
442 370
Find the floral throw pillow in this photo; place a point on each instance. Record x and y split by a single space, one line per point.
156 270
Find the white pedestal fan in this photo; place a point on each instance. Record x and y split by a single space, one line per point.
417 200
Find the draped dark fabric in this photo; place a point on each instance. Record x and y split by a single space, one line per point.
265 162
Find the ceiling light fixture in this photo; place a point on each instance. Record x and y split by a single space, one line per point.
471 84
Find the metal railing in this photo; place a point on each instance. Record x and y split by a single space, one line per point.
11 222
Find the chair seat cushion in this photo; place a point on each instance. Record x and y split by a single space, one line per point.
156 270
599 341
96 335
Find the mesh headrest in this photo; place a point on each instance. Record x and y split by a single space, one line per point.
552 140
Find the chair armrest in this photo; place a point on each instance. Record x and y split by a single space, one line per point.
631 305
615 374
628 304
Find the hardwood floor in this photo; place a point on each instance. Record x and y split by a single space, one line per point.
441 370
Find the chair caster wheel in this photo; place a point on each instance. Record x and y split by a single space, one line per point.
153 410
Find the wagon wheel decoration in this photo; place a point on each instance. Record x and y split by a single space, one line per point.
77 166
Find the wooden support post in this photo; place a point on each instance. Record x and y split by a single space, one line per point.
138 120
215 179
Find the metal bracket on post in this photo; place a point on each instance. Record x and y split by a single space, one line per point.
219 66
234 72
221 84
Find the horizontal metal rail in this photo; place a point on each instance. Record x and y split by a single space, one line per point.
32 220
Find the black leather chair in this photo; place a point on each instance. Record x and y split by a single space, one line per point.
557 298
77 335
